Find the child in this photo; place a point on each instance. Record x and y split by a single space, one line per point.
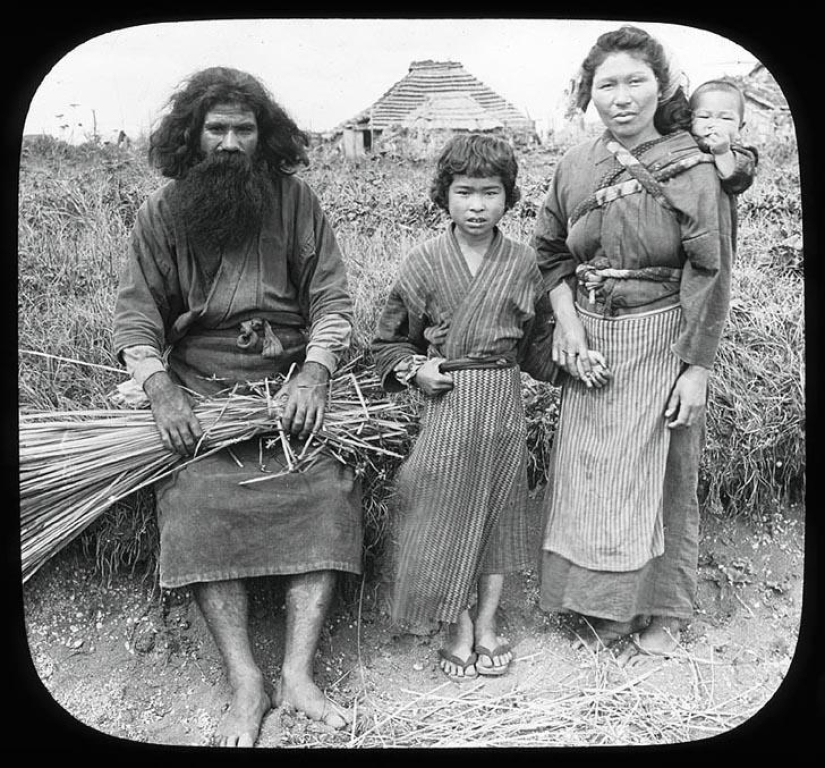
454 326
718 109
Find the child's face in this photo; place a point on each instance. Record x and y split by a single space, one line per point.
716 112
476 204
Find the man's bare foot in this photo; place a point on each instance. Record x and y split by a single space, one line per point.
600 634
241 723
304 696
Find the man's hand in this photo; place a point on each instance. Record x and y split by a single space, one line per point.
432 381
687 401
306 400
179 428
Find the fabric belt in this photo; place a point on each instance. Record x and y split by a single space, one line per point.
475 363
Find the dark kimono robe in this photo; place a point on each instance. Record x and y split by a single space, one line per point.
290 276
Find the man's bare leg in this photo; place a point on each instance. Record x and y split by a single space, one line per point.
485 636
308 598
224 605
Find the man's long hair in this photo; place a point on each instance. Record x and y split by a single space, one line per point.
174 145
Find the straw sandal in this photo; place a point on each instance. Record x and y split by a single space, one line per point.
468 665
493 671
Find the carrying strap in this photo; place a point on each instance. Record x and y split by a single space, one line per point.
643 177
639 171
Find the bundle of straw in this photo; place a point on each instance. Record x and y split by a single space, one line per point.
76 464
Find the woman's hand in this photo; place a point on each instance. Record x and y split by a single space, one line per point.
179 428
432 381
570 350
686 404
306 400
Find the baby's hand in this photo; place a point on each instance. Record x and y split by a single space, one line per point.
600 372
718 143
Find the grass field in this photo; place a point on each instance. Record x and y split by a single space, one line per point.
77 206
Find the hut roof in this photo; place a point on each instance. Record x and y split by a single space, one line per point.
452 110
760 88
442 93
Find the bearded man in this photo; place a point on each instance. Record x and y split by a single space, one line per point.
233 275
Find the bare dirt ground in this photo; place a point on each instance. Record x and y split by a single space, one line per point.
141 667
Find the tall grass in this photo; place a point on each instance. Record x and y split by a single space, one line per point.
755 454
78 204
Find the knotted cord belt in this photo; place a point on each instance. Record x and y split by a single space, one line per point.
592 275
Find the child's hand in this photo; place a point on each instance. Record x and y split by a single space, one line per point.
432 381
600 373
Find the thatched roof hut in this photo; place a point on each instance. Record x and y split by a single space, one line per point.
452 111
435 96
767 113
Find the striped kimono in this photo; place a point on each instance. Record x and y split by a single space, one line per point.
461 494
621 534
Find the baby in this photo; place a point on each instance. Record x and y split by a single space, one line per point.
718 108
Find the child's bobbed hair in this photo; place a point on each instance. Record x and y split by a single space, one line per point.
477 155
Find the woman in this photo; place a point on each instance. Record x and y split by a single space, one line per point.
634 246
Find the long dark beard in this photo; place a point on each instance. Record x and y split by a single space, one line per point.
222 199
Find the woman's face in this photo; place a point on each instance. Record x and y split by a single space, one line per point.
625 93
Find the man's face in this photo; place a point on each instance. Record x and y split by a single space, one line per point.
229 128
223 195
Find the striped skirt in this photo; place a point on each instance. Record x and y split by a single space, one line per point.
605 511
460 497
621 510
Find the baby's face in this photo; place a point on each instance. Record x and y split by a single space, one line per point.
716 112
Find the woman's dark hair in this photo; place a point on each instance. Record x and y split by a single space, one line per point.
476 155
174 146
671 115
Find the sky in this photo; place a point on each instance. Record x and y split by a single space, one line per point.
324 71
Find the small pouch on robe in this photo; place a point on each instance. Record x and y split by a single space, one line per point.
257 336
